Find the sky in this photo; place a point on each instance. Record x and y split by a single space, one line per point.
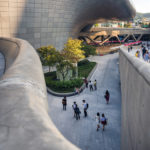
142 6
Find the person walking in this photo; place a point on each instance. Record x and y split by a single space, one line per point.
136 54
95 85
128 49
143 51
64 103
103 121
146 56
86 82
91 86
97 121
74 107
77 112
85 107
107 96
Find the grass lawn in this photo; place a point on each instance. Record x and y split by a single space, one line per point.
84 68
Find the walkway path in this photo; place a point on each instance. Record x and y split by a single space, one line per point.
2 64
83 132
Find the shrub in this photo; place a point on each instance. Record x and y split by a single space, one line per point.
88 49
63 86
83 62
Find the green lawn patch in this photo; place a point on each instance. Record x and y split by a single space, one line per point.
84 68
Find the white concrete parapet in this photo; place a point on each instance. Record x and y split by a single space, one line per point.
24 119
135 88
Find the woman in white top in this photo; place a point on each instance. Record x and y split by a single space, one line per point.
97 121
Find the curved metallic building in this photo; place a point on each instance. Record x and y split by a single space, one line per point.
43 22
24 119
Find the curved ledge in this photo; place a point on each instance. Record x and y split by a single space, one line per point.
2 64
135 88
24 119
143 68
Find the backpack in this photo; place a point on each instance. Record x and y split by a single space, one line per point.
87 105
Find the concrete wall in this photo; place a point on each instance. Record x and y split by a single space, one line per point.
43 22
135 87
24 119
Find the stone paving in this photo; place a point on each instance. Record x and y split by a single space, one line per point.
83 132
2 64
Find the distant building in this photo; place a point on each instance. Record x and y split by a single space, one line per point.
111 24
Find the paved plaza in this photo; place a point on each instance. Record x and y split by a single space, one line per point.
83 132
2 64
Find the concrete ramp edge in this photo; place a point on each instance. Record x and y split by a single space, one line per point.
135 88
24 120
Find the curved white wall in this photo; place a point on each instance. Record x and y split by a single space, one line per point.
135 87
24 119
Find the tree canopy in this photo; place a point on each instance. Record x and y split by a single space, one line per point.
72 50
88 49
48 55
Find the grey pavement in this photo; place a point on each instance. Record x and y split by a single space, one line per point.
2 64
83 132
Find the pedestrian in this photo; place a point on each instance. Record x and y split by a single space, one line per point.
77 112
77 91
74 107
139 55
146 56
149 57
131 48
103 121
91 86
143 51
85 107
97 121
64 103
86 82
128 49
107 96
95 85
136 54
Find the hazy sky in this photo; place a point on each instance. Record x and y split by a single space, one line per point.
141 5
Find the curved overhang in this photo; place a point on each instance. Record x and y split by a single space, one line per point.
45 22
99 11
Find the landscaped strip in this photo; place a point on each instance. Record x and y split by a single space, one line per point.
66 88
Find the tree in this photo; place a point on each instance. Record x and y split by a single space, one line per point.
48 55
63 67
96 25
72 50
88 49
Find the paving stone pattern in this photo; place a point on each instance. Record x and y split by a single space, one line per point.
2 64
83 132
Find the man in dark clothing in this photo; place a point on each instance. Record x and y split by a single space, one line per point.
86 82
143 51
77 112
107 95
64 103
74 107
